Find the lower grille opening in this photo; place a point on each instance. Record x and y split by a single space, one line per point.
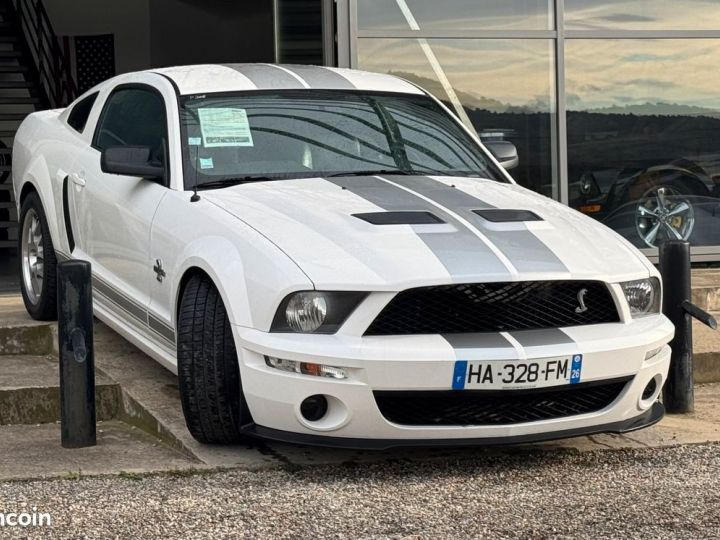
496 407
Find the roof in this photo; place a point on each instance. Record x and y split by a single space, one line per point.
208 78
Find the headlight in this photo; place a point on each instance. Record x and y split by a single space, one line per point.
316 312
306 311
643 296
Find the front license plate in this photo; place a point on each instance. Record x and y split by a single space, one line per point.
498 375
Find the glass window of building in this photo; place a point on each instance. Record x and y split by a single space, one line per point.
431 15
644 137
642 15
504 88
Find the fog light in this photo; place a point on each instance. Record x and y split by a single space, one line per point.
650 354
314 407
306 368
649 390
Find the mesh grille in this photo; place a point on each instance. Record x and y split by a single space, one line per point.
489 408
494 307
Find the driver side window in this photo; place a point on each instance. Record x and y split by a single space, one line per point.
133 117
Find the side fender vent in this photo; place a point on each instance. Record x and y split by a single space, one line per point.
500 215
66 215
400 218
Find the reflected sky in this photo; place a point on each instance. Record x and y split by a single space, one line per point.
490 74
644 76
642 14
458 14
671 77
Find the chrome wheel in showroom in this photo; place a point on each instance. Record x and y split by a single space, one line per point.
664 213
33 260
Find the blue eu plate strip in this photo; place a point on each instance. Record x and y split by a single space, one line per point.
576 369
459 375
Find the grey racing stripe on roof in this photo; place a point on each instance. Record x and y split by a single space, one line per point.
320 77
525 250
266 76
460 251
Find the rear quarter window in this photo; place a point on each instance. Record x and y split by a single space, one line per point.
78 117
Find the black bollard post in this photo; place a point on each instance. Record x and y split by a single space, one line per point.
678 394
77 360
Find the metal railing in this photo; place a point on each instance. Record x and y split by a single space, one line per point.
51 62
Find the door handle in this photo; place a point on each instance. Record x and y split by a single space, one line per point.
77 179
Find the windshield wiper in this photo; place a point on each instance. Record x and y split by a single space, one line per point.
375 172
227 182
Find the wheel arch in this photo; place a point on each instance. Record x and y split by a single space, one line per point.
32 183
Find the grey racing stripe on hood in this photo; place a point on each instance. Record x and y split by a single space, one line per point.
460 251
526 252
267 76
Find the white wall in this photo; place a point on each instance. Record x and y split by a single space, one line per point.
129 20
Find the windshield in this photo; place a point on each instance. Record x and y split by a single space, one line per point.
301 134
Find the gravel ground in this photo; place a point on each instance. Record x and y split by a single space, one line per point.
654 493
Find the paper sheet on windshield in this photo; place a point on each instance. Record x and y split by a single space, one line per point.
224 127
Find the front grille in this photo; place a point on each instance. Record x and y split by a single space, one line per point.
496 407
495 307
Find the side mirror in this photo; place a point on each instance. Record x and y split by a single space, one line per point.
505 152
130 161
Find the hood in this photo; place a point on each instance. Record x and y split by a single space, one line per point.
396 232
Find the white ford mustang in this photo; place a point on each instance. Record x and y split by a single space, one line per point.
329 256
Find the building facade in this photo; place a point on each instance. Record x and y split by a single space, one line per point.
614 105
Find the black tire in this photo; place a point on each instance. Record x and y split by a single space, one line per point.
208 372
45 307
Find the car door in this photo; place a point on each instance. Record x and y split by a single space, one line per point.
115 212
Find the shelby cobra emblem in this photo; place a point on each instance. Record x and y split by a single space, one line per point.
331 256
582 308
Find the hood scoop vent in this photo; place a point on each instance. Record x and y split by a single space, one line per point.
400 218
500 215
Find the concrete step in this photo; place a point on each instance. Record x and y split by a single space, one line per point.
30 391
29 452
706 288
706 352
19 334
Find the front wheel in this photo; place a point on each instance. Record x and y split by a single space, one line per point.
38 265
208 369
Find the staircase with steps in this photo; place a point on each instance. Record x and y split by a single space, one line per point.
20 94
34 75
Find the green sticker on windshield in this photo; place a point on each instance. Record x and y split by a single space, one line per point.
222 126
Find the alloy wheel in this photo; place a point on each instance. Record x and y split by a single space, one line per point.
664 213
33 260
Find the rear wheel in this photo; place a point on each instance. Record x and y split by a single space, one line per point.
208 370
38 265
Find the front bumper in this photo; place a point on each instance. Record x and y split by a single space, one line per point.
647 419
426 363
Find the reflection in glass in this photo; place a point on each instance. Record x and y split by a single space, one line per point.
644 137
642 15
432 15
506 88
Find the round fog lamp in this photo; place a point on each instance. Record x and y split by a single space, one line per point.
314 407
306 311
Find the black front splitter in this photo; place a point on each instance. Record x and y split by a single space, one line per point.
650 417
